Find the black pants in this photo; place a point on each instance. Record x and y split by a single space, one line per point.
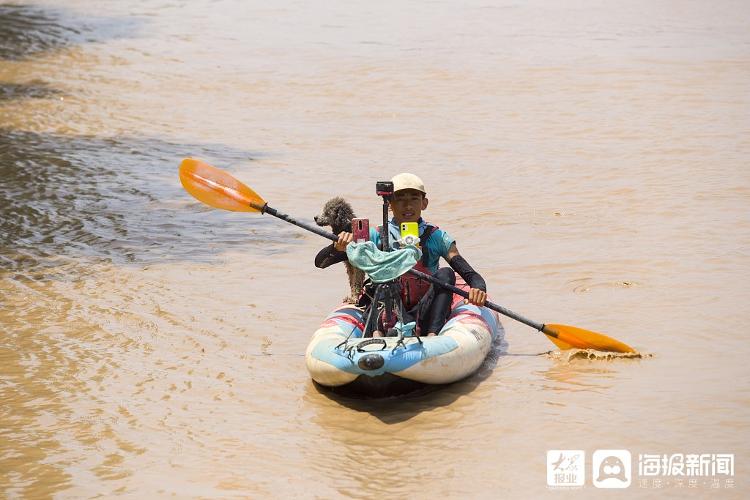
431 312
433 309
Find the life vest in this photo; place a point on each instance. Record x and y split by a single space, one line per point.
412 287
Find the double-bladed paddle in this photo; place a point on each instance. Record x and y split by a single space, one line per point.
218 189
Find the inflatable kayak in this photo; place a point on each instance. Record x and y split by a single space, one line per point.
338 355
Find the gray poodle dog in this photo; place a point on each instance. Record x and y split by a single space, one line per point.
338 214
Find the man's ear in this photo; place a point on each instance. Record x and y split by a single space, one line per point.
425 201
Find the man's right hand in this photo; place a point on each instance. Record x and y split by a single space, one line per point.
344 239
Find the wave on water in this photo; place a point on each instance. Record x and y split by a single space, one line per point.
593 355
29 31
81 197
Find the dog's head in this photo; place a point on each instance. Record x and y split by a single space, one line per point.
336 213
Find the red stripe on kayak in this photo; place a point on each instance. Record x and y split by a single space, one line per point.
348 319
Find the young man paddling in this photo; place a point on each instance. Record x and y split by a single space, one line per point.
427 303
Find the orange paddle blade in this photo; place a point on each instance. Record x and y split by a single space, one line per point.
218 189
568 337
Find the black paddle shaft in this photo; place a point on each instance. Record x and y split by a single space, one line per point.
325 234
304 225
488 304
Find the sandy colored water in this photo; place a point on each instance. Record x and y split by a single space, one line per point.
590 158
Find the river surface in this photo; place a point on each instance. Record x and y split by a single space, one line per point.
592 160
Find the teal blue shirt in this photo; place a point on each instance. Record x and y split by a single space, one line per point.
437 245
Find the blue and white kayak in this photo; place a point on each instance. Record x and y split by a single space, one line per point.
339 356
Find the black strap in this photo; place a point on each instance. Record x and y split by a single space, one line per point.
423 241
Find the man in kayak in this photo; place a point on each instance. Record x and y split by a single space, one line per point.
429 304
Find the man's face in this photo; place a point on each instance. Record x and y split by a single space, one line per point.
407 205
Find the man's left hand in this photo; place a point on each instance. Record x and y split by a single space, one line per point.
477 297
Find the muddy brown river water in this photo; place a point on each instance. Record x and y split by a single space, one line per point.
592 160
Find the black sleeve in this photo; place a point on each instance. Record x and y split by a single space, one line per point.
470 276
328 256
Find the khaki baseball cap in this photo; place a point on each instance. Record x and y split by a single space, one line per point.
407 181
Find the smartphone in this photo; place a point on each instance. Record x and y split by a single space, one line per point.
361 230
410 233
